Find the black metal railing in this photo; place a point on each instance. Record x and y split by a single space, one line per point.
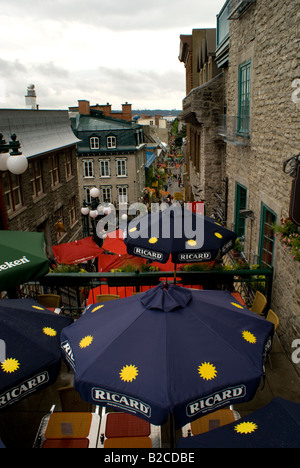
77 290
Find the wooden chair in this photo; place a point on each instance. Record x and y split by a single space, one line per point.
259 303
71 401
49 300
106 297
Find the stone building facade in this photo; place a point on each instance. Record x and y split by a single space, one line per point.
111 155
45 197
205 175
261 131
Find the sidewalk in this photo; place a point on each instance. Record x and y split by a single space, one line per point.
19 425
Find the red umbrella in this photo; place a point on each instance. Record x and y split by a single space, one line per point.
77 251
114 242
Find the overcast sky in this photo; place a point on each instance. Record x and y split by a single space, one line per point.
99 50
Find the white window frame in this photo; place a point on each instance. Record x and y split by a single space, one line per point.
104 168
122 194
106 190
94 143
88 169
111 141
121 167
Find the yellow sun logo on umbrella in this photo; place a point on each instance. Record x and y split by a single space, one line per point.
218 235
86 341
152 240
192 243
129 373
207 371
246 427
97 308
38 308
49 331
239 306
248 336
10 365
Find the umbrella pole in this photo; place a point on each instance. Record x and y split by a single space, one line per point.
175 274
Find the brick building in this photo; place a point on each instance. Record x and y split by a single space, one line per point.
45 197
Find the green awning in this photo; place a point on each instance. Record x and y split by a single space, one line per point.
22 258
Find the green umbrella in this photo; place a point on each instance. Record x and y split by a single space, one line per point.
22 258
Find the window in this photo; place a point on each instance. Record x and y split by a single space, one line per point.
88 168
122 195
111 142
266 244
36 178
69 166
104 168
106 194
244 98
54 170
12 192
72 211
121 168
94 143
240 204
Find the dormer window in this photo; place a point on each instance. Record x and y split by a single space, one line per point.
111 142
94 143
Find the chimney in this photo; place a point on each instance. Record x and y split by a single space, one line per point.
30 98
84 107
126 111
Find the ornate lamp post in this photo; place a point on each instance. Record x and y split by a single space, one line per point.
14 161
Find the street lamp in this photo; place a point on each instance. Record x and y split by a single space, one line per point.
14 161
89 210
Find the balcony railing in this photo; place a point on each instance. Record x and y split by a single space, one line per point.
234 129
237 7
79 289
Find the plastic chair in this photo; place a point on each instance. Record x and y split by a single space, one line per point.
106 297
49 300
259 303
71 401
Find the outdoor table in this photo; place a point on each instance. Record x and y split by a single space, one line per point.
212 421
128 442
66 429
125 425
66 443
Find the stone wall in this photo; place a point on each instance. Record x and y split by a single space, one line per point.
39 214
269 37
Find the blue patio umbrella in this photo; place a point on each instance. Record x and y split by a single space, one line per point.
187 236
276 425
168 350
30 354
